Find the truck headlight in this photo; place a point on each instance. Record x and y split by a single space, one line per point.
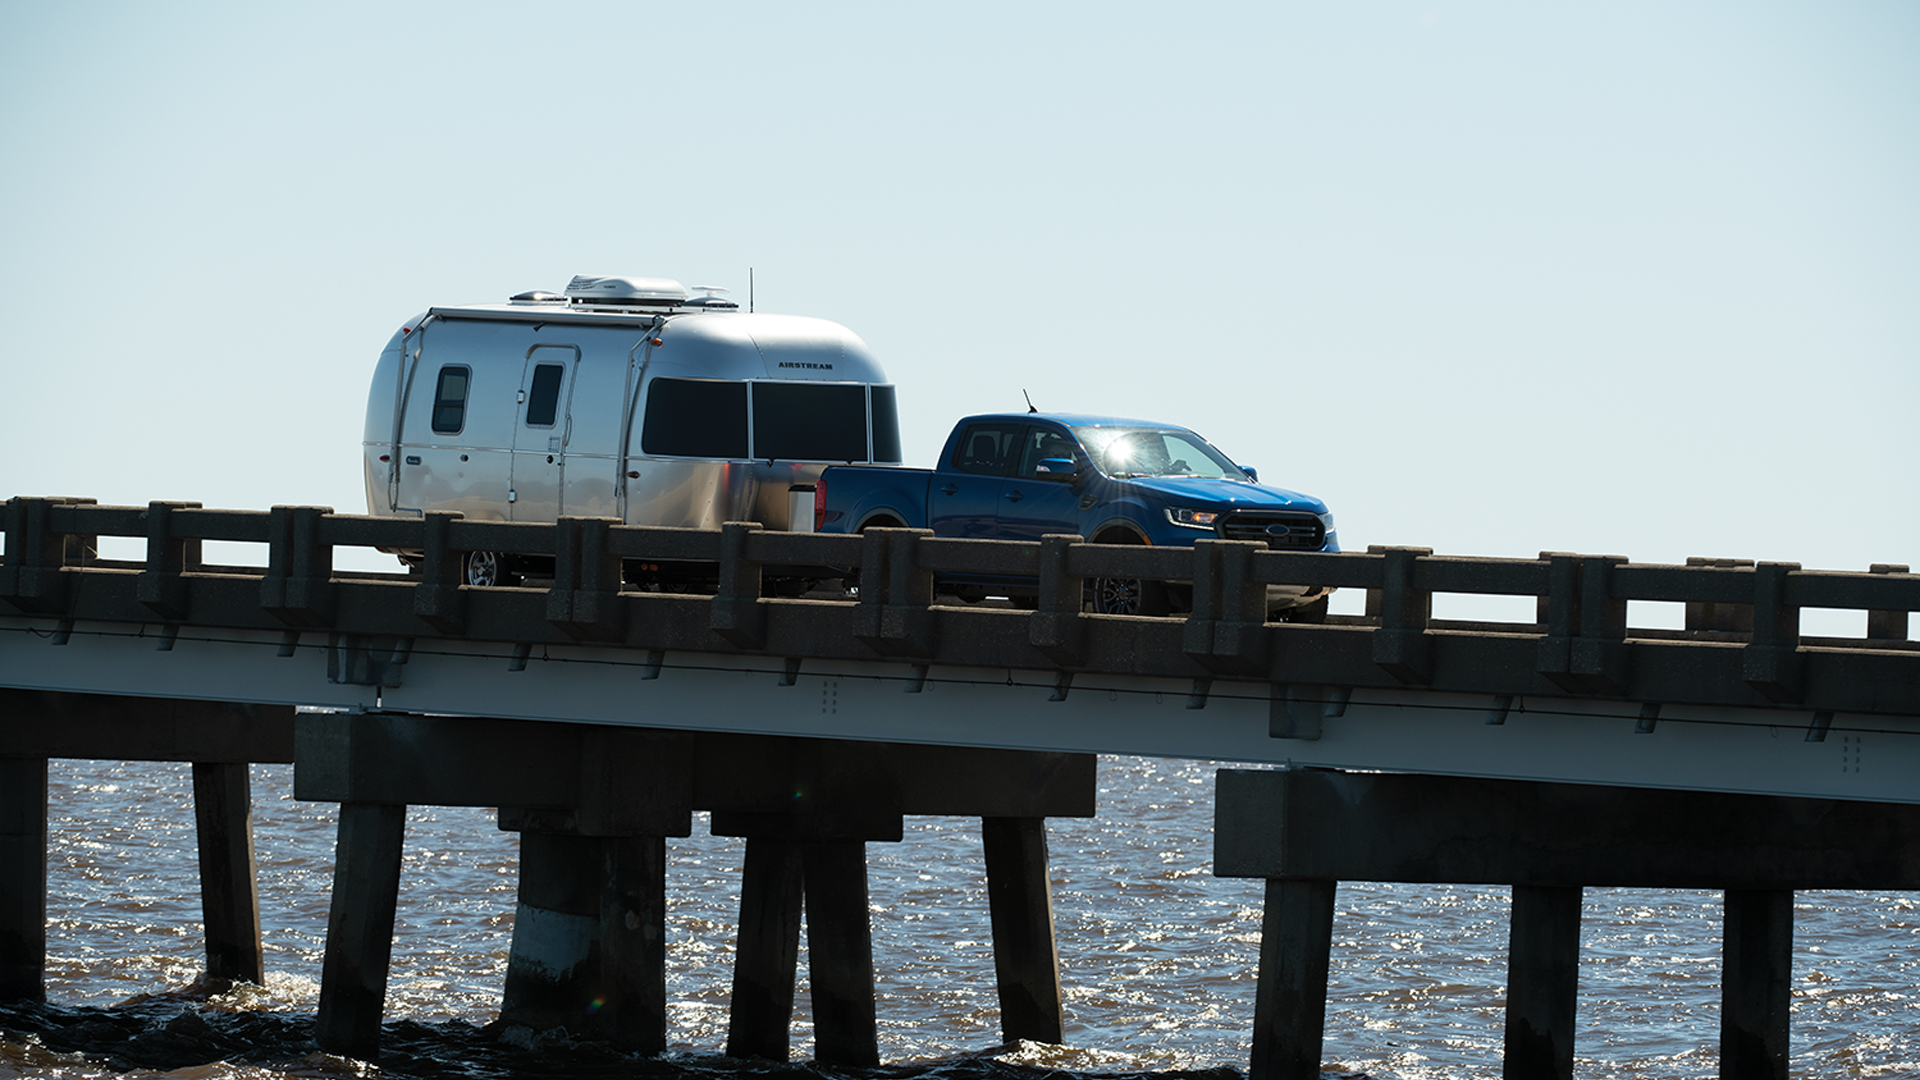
1192 519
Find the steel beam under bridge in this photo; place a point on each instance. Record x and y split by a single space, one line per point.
1781 750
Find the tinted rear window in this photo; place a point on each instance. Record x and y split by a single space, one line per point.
886 425
810 421
695 418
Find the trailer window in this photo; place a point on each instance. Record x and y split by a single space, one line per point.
450 399
695 418
810 421
886 425
543 397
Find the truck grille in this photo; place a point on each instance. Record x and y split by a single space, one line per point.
1278 529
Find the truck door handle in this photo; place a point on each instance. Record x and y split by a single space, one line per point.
948 490
1013 496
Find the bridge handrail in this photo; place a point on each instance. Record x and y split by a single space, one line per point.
1579 642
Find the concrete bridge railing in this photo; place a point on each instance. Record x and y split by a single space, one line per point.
1742 645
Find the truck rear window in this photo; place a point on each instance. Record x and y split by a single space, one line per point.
695 418
810 421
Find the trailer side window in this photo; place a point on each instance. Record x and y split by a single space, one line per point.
886 425
450 399
695 418
810 421
543 397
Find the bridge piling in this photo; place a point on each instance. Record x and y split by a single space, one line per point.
1756 984
366 896
1304 830
1026 959
23 878
840 953
1543 982
229 884
767 952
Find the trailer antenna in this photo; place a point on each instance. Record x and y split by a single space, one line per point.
749 290
1029 397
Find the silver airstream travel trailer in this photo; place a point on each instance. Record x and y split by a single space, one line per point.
625 398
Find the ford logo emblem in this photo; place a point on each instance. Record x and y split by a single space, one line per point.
1278 530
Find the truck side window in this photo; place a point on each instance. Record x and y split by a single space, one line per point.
798 421
987 449
1039 445
450 399
886 425
695 418
543 398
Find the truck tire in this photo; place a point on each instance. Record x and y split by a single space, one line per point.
1128 596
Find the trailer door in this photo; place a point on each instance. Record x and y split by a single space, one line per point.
540 434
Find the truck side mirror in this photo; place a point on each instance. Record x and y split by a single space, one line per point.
1253 474
1055 468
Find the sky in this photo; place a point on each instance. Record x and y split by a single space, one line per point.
1491 278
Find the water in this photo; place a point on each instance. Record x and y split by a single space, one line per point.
1157 955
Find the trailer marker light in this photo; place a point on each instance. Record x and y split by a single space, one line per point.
657 343
633 476
384 457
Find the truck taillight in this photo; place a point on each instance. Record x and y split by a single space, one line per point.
819 504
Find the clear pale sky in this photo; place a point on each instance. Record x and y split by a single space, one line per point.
1492 278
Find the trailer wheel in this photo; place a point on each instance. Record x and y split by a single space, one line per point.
485 569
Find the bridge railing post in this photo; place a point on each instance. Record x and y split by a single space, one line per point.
298 588
1771 664
1599 657
1401 646
1226 630
1055 627
33 578
1887 625
737 613
585 598
437 599
162 588
895 594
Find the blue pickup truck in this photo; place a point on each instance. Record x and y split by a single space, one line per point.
1020 476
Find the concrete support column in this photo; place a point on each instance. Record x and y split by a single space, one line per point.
1290 1004
1543 982
1756 975
768 950
1026 960
840 953
23 878
366 893
229 891
633 944
552 965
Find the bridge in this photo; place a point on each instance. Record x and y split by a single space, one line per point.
598 716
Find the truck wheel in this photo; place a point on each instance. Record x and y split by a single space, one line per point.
1129 596
485 569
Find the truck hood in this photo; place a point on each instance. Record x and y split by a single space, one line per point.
1212 494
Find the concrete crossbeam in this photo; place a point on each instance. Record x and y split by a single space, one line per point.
1303 822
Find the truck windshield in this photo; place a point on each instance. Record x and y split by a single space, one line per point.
1142 451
